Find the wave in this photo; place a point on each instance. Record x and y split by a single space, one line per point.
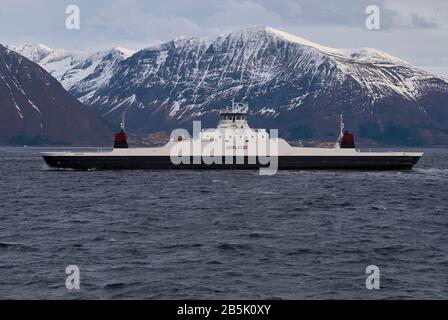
15 246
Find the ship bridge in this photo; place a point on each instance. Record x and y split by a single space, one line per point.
233 125
235 117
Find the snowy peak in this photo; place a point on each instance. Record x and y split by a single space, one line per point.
34 52
371 55
71 67
124 52
265 33
44 55
183 40
95 70
363 55
180 43
295 39
56 62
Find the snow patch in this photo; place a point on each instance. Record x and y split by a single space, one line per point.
34 106
296 102
265 111
161 58
126 53
128 101
174 109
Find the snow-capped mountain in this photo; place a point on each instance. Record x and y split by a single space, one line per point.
34 52
35 108
72 67
56 62
290 83
94 71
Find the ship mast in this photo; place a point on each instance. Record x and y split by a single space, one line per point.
122 121
341 131
121 141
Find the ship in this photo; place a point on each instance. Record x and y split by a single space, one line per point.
233 144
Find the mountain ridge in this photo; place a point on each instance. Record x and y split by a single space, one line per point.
37 110
290 83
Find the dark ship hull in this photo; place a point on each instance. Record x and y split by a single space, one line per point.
123 162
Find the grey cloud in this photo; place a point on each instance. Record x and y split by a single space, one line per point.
243 13
406 26
421 22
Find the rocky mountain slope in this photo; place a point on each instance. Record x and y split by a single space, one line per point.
36 109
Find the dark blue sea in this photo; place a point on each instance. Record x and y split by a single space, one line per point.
232 234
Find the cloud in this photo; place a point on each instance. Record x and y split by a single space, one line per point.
422 22
294 8
236 14
131 19
413 14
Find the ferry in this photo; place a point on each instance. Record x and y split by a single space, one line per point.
232 145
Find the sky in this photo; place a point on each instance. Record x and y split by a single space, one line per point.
413 30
